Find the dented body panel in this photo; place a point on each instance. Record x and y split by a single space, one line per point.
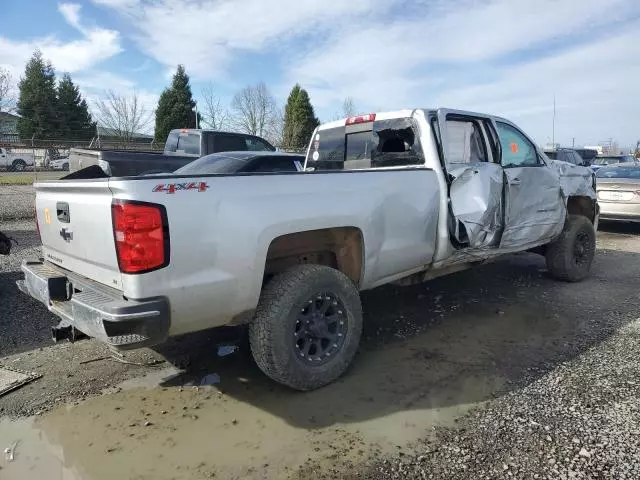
411 194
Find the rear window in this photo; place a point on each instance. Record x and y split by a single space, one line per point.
214 163
389 143
619 172
552 155
189 143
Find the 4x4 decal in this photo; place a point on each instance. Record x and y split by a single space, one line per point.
174 187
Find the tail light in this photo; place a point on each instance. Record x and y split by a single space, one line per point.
141 233
360 119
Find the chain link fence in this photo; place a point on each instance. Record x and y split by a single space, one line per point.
25 161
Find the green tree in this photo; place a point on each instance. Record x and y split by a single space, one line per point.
73 113
37 100
299 119
175 106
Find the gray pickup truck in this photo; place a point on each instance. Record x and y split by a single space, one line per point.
182 146
398 197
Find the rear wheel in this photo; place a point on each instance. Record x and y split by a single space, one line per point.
569 258
307 326
65 167
19 165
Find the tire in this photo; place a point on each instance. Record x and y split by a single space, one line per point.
65 167
569 258
18 165
274 336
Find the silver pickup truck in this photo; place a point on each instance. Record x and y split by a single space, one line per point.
397 197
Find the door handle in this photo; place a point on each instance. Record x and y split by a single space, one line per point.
514 181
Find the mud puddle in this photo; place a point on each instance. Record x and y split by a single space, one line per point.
168 425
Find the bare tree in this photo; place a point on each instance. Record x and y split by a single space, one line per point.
254 110
348 107
214 114
7 99
123 115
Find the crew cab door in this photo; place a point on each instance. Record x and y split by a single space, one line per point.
534 207
470 150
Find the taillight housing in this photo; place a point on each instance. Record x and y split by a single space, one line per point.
141 234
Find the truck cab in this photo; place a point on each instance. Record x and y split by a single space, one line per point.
198 142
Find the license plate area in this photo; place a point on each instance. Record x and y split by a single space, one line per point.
615 196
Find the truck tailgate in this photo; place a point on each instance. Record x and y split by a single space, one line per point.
74 218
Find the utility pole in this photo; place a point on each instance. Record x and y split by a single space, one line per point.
573 142
553 128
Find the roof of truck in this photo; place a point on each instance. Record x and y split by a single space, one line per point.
407 113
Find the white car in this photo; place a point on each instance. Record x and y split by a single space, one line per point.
60 164
17 162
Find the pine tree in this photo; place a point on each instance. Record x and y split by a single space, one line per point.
299 119
37 100
175 106
73 113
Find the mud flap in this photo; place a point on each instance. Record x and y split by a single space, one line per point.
476 203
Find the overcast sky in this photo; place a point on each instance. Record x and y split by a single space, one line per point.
507 57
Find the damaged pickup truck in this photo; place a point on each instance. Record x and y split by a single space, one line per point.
398 197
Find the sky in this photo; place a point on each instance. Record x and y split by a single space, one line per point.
505 57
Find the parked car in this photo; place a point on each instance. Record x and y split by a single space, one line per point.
182 147
618 188
16 162
587 154
566 155
244 162
603 160
399 197
60 164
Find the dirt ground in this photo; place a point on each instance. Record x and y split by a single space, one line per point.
433 356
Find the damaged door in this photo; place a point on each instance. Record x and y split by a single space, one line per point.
534 208
476 185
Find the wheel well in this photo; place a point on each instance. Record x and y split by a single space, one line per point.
581 205
340 248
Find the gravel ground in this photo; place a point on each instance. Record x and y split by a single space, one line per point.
24 323
580 421
16 202
565 359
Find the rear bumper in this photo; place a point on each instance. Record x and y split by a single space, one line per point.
96 310
623 212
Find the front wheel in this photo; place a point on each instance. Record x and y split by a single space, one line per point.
307 326
19 166
569 258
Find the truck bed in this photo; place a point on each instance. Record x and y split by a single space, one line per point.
118 163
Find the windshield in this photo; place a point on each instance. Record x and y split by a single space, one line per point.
214 163
619 172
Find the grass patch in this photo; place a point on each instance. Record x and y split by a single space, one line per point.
27 178
16 179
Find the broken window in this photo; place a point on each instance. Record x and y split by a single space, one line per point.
397 144
465 142
385 143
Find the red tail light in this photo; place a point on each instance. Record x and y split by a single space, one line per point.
141 233
360 119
